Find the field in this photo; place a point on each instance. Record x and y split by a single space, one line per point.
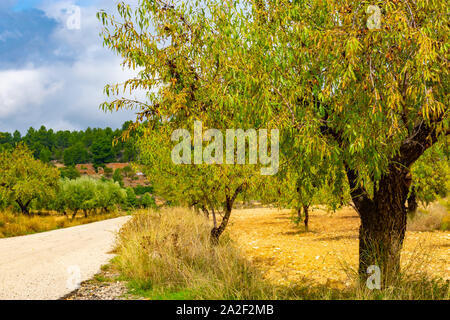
167 254
12 225
328 253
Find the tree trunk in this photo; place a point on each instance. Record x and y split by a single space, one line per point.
205 212
383 218
85 213
383 224
305 210
299 214
412 203
24 207
217 231
74 213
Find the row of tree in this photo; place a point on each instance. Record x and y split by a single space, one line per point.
29 183
91 145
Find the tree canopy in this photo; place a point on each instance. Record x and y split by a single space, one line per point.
365 98
24 179
75 147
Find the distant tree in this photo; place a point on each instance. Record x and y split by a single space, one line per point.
102 150
45 155
5 141
140 190
17 137
108 194
128 171
117 176
147 201
212 188
108 172
87 194
23 178
76 154
130 200
47 144
69 172
430 176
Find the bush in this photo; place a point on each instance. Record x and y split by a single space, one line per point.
108 172
147 201
117 177
69 172
434 217
140 190
131 201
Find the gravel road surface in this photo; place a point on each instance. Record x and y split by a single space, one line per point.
49 265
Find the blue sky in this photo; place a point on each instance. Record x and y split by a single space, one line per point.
52 74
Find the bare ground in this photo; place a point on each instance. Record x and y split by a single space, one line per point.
325 255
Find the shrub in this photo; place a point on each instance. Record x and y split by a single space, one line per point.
140 190
147 201
131 201
117 177
69 172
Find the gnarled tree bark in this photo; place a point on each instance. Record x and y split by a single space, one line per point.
217 231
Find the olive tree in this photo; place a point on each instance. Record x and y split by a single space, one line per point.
24 179
87 194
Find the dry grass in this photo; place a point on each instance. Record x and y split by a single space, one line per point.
435 216
168 255
12 224
321 264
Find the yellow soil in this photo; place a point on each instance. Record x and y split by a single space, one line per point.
286 254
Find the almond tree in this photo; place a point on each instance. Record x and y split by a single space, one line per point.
365 88
211 188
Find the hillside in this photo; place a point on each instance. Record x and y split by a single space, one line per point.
93 145
130 177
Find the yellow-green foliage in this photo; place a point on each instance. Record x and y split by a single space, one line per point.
23 178
168 254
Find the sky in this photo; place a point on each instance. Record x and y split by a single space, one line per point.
53 66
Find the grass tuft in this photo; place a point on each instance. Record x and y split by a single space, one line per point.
168 255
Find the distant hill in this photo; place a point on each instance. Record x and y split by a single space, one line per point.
75 147
130 178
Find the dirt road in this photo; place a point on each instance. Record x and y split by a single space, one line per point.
325 255
48 265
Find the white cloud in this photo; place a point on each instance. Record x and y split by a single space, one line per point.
65 96
20 89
